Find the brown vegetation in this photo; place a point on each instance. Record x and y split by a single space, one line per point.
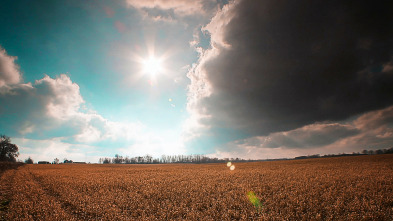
350 188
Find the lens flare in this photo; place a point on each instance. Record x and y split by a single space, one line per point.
232 167
229 164
254 200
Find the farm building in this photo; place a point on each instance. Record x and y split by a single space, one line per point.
43 162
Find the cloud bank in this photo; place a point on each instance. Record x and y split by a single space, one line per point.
277 66
372 130
283 79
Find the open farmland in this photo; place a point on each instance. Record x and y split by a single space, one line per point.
351 188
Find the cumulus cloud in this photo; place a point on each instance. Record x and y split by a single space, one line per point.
62 96
9 71
54 107
27 107
279 66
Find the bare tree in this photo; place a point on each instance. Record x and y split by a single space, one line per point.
56 161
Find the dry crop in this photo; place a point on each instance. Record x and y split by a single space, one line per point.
349 188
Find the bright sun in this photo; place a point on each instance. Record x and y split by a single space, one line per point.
152 66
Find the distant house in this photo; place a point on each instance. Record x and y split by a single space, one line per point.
68 161
43 162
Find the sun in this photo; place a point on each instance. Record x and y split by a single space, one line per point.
152 66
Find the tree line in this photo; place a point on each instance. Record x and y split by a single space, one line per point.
364 152
198 158
9 152
164 159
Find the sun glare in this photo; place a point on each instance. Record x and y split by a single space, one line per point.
152 66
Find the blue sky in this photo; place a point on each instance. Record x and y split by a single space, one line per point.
236 78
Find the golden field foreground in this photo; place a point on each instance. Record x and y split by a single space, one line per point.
344 188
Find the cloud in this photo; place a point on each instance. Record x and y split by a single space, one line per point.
375 119
61 96
50 149
9 71
182 7
166 142
279 66
54 107
313 135
177 10
48 119
34 108
372 130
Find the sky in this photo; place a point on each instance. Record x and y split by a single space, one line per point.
252 79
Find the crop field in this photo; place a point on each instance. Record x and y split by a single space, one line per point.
342 188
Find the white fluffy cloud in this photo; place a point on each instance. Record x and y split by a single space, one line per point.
52 107
63 98
56 105
9 71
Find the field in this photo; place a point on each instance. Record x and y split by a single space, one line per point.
343 188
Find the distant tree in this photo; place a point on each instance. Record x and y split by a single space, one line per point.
29 161
56 161
127 160
148 158
118 159
379 151
106 160
8 151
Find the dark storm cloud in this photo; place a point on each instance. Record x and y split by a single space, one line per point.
285 64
